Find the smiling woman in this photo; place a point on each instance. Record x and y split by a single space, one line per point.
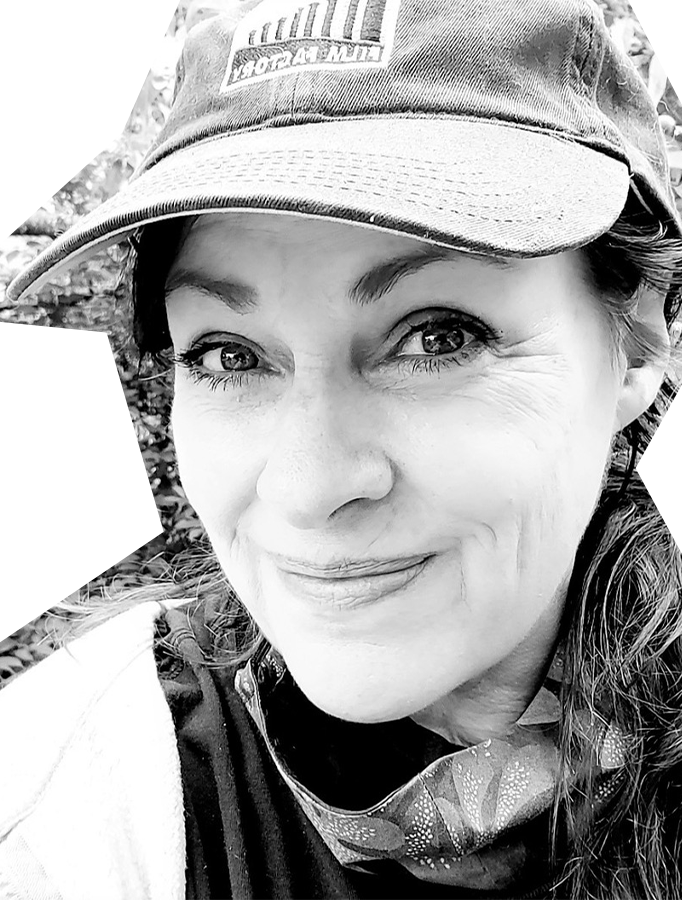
442 657
410 468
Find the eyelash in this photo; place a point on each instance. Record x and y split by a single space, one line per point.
483 336
189 359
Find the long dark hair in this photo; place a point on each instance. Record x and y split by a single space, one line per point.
623 619
623 624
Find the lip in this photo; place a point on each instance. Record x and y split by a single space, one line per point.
345 568
351 583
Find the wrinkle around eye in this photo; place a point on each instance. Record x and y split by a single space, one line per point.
530 386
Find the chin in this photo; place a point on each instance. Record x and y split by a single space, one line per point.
371 711
365 694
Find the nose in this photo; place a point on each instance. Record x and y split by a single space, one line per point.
324 456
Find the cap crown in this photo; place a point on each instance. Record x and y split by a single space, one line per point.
542 64
508 127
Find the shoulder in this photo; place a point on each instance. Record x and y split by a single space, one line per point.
88 761
73 680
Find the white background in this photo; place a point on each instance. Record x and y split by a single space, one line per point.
75 496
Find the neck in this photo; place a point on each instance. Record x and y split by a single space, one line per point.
489 706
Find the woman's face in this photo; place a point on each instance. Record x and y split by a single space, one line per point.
395 449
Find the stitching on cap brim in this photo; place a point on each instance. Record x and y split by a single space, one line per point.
471 185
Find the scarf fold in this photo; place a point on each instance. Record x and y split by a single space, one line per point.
471 819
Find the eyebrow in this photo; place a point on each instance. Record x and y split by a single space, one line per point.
234 294
383 278
369 288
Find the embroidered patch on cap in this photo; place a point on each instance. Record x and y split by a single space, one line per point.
281 36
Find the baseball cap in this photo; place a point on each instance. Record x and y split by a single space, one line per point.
495 126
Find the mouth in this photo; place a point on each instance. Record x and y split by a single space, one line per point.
351 583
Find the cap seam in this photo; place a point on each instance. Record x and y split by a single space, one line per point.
588 51
604 145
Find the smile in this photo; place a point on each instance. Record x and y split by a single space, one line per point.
351 584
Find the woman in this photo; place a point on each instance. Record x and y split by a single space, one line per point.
415 265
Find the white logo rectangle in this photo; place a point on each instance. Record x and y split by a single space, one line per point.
281 36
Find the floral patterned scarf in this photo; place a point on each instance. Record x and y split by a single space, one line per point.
467 819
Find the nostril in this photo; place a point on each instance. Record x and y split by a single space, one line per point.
308 494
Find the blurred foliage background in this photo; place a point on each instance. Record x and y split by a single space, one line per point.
91 297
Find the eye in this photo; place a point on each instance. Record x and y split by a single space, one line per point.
228 357
220 361
435 339
433 334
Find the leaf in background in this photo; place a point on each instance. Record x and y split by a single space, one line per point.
186 524
115 177
10 662
657 80
675 159
623 32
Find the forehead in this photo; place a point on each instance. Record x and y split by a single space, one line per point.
240 258
246 258
214 239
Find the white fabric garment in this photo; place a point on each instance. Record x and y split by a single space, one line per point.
91 804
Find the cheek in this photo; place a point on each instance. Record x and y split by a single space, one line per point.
518 464
215 457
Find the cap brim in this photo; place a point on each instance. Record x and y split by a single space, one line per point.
480 186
